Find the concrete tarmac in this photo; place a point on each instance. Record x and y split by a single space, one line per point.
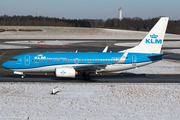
120 78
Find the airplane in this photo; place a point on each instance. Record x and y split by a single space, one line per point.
70 64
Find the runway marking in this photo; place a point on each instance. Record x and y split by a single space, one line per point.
3 54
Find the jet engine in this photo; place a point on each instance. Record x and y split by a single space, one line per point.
68 72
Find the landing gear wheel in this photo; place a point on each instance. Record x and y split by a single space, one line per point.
22 76
86 77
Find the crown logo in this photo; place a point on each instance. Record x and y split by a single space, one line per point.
63 72
153 36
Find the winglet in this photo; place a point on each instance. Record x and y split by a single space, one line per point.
105 49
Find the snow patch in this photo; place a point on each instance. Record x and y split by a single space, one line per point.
90 101
13 47
46 42
176 51
165 44
74 33
5 32
127 44
161 67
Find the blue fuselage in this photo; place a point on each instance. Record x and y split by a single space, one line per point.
35 60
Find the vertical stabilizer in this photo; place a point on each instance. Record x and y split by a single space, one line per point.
153 41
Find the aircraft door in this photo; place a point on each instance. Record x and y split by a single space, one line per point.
134 60
76 61
27 60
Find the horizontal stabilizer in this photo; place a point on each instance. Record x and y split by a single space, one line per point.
155 56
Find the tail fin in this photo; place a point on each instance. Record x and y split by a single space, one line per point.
153 41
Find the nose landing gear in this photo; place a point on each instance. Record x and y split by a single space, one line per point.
22 76
19 73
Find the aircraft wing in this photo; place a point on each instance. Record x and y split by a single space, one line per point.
94 67
91 67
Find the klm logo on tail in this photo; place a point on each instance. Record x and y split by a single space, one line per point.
154 40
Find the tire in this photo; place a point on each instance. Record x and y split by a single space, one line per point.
22 77
86 77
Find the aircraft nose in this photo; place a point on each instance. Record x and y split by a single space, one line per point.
6 65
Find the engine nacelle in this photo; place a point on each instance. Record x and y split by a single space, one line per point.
68 72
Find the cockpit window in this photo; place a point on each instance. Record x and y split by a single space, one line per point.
13 59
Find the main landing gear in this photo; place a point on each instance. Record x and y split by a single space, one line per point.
86 76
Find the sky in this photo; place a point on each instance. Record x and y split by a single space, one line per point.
92 9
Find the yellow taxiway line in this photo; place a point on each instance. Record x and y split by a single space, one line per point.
3 54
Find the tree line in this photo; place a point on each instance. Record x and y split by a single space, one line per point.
41 21
136 23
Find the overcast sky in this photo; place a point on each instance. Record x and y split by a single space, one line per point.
92 9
